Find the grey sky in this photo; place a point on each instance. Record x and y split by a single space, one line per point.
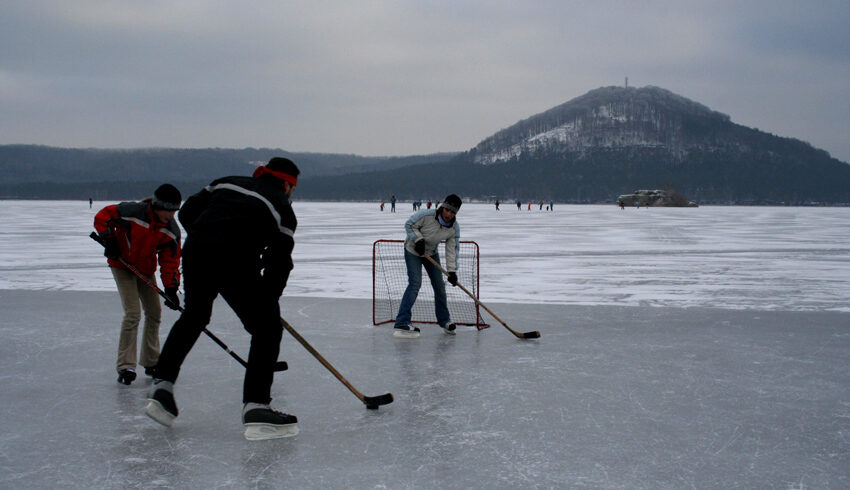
402 77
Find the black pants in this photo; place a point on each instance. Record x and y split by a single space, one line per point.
209 270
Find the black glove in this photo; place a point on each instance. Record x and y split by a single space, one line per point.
453 278
171 299
419 247
111 250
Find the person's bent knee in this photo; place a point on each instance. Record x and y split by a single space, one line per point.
194 316
132 319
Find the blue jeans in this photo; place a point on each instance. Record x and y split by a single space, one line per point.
414 265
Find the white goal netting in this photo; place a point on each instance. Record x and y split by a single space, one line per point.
389 280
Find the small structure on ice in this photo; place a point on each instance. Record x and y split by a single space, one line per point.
656 197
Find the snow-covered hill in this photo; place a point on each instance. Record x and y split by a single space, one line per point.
609 117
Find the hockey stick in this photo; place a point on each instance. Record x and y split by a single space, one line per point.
522 335
279 365
372 402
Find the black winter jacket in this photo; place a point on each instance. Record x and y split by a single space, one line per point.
249 218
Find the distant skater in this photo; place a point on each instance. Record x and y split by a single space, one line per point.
425 230
518 205
392 204
497 204
142 233
90 203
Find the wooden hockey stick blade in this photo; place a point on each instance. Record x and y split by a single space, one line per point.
526 335
373 402
520 335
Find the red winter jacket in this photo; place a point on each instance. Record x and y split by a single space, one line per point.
142 239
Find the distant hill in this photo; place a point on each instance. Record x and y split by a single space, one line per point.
590 149
611 118
616 139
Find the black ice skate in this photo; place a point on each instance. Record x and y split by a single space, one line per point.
263 422
126 376
450 329
161 405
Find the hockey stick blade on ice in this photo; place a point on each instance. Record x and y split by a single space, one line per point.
371 402
279 366
522 335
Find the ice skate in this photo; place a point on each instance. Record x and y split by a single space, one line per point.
161 405
263 422
450 329
126 376
406 332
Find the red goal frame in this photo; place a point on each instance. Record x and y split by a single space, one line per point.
453 295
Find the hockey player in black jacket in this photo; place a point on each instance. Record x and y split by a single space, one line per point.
239 245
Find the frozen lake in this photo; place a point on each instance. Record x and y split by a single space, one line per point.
680 348
763 258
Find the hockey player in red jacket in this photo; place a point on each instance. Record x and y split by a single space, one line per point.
142 233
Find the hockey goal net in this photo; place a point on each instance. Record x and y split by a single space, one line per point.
389 280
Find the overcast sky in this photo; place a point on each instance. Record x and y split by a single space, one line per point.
386 77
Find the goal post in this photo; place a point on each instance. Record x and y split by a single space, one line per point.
389 280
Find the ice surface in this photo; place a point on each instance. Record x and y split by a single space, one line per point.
765 258
739 380
609 397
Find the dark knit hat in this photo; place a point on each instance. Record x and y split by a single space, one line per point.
280 168
166 197
452 203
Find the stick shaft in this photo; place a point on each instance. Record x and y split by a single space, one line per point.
477 301
180 308
156 288
321 359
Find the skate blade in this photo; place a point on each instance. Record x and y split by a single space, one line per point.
155 411
260 432
405 334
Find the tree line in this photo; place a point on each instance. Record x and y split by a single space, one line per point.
711 177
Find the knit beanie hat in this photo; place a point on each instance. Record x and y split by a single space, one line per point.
166 197
452 203
281 168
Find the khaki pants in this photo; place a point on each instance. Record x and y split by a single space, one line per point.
133 292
